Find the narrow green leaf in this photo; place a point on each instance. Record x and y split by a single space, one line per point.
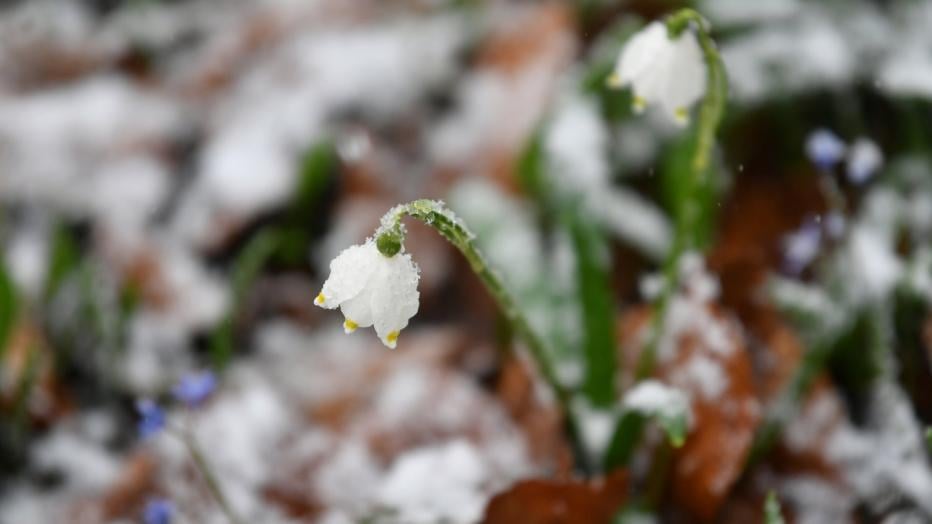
772 514
595 297
248 265
624 440
9 307
65 259
317 168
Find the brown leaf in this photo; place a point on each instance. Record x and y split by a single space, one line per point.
559 502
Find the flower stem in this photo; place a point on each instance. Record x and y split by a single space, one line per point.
441 219
213 485
710 117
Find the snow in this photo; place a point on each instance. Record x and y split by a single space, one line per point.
441 483
701 374
654 398
873 264
886 460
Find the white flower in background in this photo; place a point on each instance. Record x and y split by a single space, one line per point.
802 246
372 289
661 70
825 149
864 159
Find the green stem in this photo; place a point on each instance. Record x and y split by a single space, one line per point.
710 117
209 478
389 238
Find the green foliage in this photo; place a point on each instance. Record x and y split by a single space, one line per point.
64 260
592 257
772 513
595 297
9 306
628 432
317 170
248 265
691 198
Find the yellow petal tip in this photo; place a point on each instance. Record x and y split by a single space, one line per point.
681 115
349 326
391 340
638 104
613 80
319 300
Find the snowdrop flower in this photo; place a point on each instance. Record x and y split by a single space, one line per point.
372 289
667 71
864 160
824 149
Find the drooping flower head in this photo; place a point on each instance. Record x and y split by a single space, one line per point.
152 417
825 149
194 388
158 511
373 289
662 70
864 159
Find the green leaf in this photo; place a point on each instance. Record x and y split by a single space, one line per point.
318 167
9 307
595 297
929 437
772 513
624 440
691 199
65 259
248 265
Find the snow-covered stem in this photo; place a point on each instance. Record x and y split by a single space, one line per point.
436 215
711 113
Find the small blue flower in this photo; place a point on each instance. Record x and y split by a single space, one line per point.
158 511
824 149
152 417
801 247
194 388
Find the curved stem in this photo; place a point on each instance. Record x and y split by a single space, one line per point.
441 219
710 117
437 216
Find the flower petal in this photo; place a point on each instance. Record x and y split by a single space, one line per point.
350 271
395 297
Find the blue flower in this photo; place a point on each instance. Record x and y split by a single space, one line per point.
153 418
194 388
802 246
824 149
158 511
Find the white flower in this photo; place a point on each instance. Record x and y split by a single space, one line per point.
864 159
372 289
669 72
